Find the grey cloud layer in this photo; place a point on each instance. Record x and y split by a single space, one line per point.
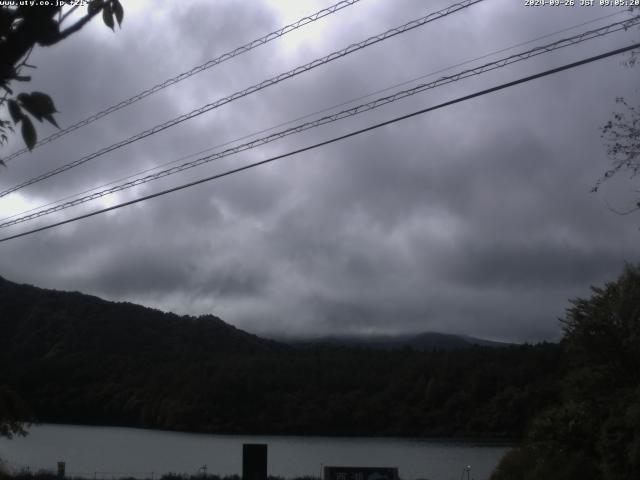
476 219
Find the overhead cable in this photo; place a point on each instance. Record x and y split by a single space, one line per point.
327 142
574 40
257 87
189 73
309 115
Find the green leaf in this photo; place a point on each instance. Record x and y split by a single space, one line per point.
29 133
94 6
44 103
107 16
14 111
38 104
118 11
51 120
27 104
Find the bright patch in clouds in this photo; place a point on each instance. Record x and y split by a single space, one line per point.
16 203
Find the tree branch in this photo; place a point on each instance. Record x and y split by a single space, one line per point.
63 17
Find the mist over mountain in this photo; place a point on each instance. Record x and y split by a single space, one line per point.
422 341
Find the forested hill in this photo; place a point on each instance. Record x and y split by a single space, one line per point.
39 323
78 359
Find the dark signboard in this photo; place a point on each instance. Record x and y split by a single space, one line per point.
254 461
360 473
61 469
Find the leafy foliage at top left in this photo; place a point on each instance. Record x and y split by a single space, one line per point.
22 28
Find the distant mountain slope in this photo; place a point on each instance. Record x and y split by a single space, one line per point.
38 323
75 358
423 342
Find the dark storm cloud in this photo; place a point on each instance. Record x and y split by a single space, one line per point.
474 219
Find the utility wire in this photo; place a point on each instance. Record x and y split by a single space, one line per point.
615 27
332 140
257 87
308 115
195 70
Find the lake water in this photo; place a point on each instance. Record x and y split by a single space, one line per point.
110 452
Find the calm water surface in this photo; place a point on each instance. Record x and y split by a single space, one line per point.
113 452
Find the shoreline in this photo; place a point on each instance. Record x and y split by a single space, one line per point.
462 439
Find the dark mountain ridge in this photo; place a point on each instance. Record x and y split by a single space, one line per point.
134 328
427 341
75 358
36 322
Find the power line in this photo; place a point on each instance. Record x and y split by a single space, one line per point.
195 70
257 87
308 115
612 28
332 140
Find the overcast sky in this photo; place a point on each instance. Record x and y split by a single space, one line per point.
475 219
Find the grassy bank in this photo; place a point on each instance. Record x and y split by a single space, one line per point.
5 474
